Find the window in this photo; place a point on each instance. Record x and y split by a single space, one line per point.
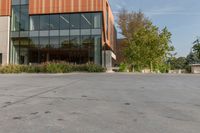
19 2
24 20
54 22
24 41
86 41
54 42
34 23
44 22
34 41
24 2
74 41
15 2
86 21
75 21
44 42
96 53
64 42
15 41
96 20
15 18
64 21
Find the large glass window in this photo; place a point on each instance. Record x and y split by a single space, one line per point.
86 41
44 42
24 41
96 40
34 41
24 1
54 42
15 18
74 41
68 37
15 2
54 22
64 21
24 21
75 21
44 22
64 42
34 23
96 19
86 21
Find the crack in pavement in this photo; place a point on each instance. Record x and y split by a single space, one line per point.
38 94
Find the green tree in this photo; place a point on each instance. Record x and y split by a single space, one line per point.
148 47
178 63
196 47
192 58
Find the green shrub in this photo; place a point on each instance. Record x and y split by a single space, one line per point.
52 67
123 67
90 67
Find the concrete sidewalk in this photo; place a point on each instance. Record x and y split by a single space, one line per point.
99 103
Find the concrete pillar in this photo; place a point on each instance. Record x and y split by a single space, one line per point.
107 59
4 38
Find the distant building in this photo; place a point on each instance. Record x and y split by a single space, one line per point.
75 31
195 68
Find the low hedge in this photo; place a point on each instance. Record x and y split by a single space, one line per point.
52 67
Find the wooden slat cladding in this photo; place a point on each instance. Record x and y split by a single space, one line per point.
64 6
5 6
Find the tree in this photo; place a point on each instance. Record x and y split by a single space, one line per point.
196 47
178 63
148 47
192 58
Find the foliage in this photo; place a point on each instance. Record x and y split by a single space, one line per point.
148 47
123 67
177 63
192 58
196 47
52 67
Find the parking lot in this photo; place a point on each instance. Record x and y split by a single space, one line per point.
99 103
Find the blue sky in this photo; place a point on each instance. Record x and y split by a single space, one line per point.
182 17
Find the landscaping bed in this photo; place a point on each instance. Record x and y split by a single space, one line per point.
52 67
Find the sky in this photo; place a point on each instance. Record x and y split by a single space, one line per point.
181 17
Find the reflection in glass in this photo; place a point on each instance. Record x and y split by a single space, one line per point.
97 49
54 22
86 42
44 22
74 41
64 21
24 42
69 37
24 21
15 18
75 21
54 42
44 42
34 23
86 21
64 42
96 17
34 41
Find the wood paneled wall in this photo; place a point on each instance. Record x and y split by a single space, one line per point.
64 6
5 6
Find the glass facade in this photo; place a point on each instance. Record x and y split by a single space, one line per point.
74 38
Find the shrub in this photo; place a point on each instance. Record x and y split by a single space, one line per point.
123 67
90 67
52 67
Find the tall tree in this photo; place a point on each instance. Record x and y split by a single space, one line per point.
196 47
147 45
